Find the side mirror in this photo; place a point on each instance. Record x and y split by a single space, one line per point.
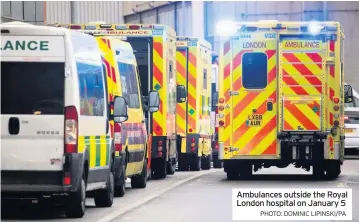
153 101
120 112
348 94
181 94
215 99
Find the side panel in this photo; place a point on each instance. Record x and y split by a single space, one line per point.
181 109
254 96
192 107
170 52
159 80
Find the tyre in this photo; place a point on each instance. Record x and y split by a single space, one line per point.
76 203
160 169
196 165
206 163
121 189
333 170
318 172
104 198
232 175
171 167
217 163
246 171
140 181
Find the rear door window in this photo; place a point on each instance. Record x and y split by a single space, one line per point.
254 70
32 88
129 84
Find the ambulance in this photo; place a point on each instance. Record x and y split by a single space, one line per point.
217 163
55 139
281 97
194 130
154 48
130 137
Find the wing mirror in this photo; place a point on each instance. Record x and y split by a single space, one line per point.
120 112
181 94
153 101
348 94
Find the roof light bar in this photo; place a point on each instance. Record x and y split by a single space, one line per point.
278 27
331 28
90 27
145 26
251 29
75 27
293 29
120 27
134 27
105 26
158 27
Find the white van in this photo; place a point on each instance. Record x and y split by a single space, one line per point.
55 137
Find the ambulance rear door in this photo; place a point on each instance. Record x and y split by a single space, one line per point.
253 95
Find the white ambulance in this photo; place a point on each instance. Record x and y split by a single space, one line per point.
55 137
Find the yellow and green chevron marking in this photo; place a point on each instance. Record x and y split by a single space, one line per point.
98 148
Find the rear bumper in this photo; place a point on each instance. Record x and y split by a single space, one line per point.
44 181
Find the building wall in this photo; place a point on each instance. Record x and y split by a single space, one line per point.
84 11
30 11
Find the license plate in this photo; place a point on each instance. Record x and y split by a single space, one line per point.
349 130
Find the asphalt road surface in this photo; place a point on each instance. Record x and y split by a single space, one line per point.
192 196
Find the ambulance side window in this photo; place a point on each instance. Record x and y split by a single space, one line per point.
254 70
129 83
92 101
205 79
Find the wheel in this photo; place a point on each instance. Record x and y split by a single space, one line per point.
206 163
246 171
160 169
140 181
121 189
104 198
76 204
333 170
318 172
196 165
171 167
217 163
232 175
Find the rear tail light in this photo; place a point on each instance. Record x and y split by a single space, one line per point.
336 123
336 108
193 144
67 178
221 100
193 150
71 129
336 100
221 108
160 154
221 123
190 130
226 149
193 140
216 146
118 137
160 142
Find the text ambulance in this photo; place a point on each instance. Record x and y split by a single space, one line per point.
281 97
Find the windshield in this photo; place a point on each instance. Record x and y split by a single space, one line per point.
32 88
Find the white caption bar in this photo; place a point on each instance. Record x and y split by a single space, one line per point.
292 204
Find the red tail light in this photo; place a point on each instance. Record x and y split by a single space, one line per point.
221 123
193 150
67 179
336 100
346 117
71 129
221 108
160 142
217 146
193 140
221 100
117 137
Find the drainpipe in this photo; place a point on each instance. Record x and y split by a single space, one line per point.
325 10
73 12
183 18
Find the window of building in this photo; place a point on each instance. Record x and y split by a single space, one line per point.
254 70
205 79
129 84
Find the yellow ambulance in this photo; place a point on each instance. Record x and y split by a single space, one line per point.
194 131
281 97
